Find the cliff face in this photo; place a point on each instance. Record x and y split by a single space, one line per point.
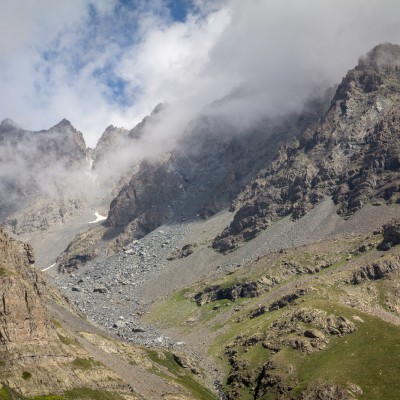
351 156
199 178
37 356
22 315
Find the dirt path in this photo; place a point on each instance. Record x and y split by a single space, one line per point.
145 384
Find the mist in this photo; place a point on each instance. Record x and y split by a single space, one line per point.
98 63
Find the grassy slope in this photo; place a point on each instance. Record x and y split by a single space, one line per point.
368 358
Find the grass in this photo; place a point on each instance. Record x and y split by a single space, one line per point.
66 340
174 311
85 363
7 394
90 394
181 376
26 375
56 324
369 358
5 272
75 394
49 397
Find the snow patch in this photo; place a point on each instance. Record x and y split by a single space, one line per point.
99 218
51 266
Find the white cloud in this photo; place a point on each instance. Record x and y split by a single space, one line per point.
277 51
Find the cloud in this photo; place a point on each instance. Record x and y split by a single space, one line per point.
101 62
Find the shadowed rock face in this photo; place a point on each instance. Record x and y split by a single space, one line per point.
377 270
351 156
200 177
391 235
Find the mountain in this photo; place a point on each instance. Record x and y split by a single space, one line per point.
300 299
201 176
260 263
352 156
41 175
197 179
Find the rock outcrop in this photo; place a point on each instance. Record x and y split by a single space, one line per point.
232 292
377 270
307 330
352 156
391 235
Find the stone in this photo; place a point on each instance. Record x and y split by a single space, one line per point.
100 289
391 235
377 270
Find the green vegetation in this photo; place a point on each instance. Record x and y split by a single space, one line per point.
365 362
5 272
175 311
85 363
66 340
56 324
369 358
26 375
5 394
75 394
90 394
180 375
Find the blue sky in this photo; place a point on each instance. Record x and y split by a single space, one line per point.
102 62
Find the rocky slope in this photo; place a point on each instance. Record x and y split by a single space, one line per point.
312 322
351 156
36 357
46 349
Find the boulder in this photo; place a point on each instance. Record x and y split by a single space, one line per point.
391 235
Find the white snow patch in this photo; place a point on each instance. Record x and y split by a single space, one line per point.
99 218
51 266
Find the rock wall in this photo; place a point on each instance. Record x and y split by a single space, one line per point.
22 313
352 155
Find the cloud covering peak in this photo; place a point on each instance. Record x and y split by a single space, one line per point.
102 62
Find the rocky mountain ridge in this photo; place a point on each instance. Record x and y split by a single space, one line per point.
352 156
41 175
201 176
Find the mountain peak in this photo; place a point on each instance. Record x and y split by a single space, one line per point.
64 123
8 123
158 108
383 56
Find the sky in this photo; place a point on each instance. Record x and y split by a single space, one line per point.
102 62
